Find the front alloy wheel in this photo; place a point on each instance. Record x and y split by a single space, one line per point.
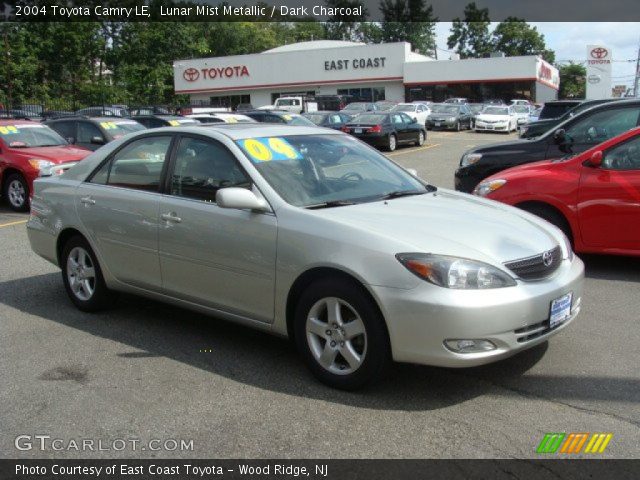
17 193
341 334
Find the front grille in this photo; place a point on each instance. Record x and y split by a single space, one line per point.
530 332
538 266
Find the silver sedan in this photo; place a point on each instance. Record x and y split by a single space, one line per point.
307 233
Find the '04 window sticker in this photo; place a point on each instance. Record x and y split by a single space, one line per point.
8 130
267 149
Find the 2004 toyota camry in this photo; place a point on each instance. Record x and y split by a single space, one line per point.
308 233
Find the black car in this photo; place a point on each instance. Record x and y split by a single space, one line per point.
278 116
386 129
573 136
92 132
158 120
540 126
449 116
332 119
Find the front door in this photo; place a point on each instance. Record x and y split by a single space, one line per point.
118 207
217 257
609 199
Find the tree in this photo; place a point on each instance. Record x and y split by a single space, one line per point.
572 80
409 21
470 37
515 37
341 27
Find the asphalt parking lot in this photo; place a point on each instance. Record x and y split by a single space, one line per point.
149 371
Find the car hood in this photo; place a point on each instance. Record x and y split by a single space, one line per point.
450 223
66 153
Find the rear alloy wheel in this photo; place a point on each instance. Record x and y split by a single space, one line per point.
392 142
341 334
16 191
420 140
83 278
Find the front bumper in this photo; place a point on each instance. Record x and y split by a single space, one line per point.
491 127
513 319
445 124
465 179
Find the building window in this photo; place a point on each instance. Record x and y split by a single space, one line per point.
275 96
363 94
229 101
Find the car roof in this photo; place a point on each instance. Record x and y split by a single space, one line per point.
9 121
237 131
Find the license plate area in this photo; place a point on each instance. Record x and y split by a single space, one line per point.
357 130
560 310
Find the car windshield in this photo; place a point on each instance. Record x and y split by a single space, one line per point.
327 170
452 109
24 136
316 118
298 120
404 108
521 109
368 118
356 106
496 111
119 129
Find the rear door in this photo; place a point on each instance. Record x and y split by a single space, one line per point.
590 130
217 257
118 207
400 127
609 199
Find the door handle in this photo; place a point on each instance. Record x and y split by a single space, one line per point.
88 200
170 217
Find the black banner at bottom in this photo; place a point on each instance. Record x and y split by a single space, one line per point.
318 469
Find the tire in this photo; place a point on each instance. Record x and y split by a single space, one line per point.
421 138
552 216
367 354
88 293
458 126
392 142
16 192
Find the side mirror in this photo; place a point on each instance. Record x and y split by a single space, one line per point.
98 140
596 159
559 136
413 120
240 199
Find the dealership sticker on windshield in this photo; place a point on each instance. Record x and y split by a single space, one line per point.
268 149
8 130
174 123
108 125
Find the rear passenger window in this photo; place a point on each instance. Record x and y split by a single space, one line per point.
138 165
603 125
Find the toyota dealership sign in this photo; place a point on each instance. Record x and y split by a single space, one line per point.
598 72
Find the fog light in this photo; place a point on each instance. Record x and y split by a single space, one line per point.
469 346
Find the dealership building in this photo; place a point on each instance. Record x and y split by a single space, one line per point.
368 72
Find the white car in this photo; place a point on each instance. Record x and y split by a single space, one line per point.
418 111
522 113
222 117
520 102
496 118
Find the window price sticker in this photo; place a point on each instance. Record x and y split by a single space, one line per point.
267 149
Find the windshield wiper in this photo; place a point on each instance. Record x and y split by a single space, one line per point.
331 204
404 193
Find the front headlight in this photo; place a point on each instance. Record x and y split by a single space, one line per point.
485 188
451 119
470 159
454 272
43 166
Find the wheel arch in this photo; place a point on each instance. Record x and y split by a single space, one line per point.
555 209
314 274
63 238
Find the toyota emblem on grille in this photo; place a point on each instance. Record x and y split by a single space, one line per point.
547 258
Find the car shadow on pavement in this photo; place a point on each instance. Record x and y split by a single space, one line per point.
146 328
611 267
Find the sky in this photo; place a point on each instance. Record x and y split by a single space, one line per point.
569 40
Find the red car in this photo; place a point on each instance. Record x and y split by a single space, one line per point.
29 150
594 197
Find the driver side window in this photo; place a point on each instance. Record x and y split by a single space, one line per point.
603 125
623 157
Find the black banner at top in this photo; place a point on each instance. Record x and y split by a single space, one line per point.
309 10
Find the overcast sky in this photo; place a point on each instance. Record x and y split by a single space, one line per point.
569 41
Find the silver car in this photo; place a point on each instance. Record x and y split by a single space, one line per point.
307 233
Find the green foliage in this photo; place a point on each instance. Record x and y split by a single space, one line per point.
515 37
572 80
470 37
409 21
